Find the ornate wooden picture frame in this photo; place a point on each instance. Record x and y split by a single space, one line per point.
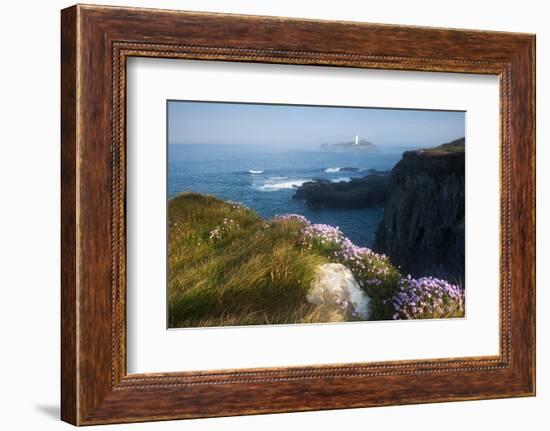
96 41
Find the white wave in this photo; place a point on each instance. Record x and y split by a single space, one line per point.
332 170
341 179
281 185
277 178
252 171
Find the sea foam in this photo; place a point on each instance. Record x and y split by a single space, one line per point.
281 185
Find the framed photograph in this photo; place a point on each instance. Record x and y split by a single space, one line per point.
264 214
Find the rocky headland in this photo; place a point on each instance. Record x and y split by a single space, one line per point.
423 198
423 227
365 192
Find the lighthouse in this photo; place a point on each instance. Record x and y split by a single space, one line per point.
356 140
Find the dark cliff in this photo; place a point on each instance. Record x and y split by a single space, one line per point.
369 191
423 226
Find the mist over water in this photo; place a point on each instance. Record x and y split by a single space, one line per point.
265 179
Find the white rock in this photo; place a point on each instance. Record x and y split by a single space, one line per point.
336 286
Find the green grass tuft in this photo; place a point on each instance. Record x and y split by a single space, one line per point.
227 266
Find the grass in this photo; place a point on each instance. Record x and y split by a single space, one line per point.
227 266
453 147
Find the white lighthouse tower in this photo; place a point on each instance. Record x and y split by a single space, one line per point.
356 140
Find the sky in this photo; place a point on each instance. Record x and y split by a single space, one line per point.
308 126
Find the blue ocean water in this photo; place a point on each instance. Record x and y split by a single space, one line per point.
264 179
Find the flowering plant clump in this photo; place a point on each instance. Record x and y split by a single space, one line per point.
293 217
368 266
323 238
391 296
219 231
373 272
237 205
427 298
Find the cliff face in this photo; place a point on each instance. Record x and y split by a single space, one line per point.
423 226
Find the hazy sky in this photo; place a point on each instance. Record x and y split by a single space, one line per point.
307 126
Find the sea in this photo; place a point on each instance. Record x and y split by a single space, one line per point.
265 179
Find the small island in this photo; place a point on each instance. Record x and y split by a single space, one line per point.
357 144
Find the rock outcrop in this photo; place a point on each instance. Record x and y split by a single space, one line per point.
423 227
336 288
369 191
